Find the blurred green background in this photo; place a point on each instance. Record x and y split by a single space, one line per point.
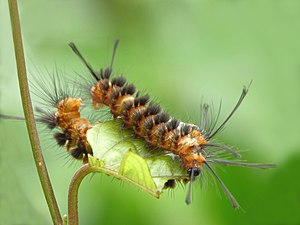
182 53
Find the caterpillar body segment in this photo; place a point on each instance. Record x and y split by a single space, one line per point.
64 117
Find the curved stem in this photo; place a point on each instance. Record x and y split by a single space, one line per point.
29 117
73 193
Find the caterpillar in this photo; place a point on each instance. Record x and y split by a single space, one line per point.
192 143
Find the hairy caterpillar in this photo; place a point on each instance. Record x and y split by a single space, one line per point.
190 142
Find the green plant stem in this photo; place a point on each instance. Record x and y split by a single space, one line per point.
73 193
29 117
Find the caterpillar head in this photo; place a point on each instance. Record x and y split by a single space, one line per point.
193 172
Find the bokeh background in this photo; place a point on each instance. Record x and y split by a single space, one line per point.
182 53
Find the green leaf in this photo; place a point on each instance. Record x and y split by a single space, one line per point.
136 169
119 153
